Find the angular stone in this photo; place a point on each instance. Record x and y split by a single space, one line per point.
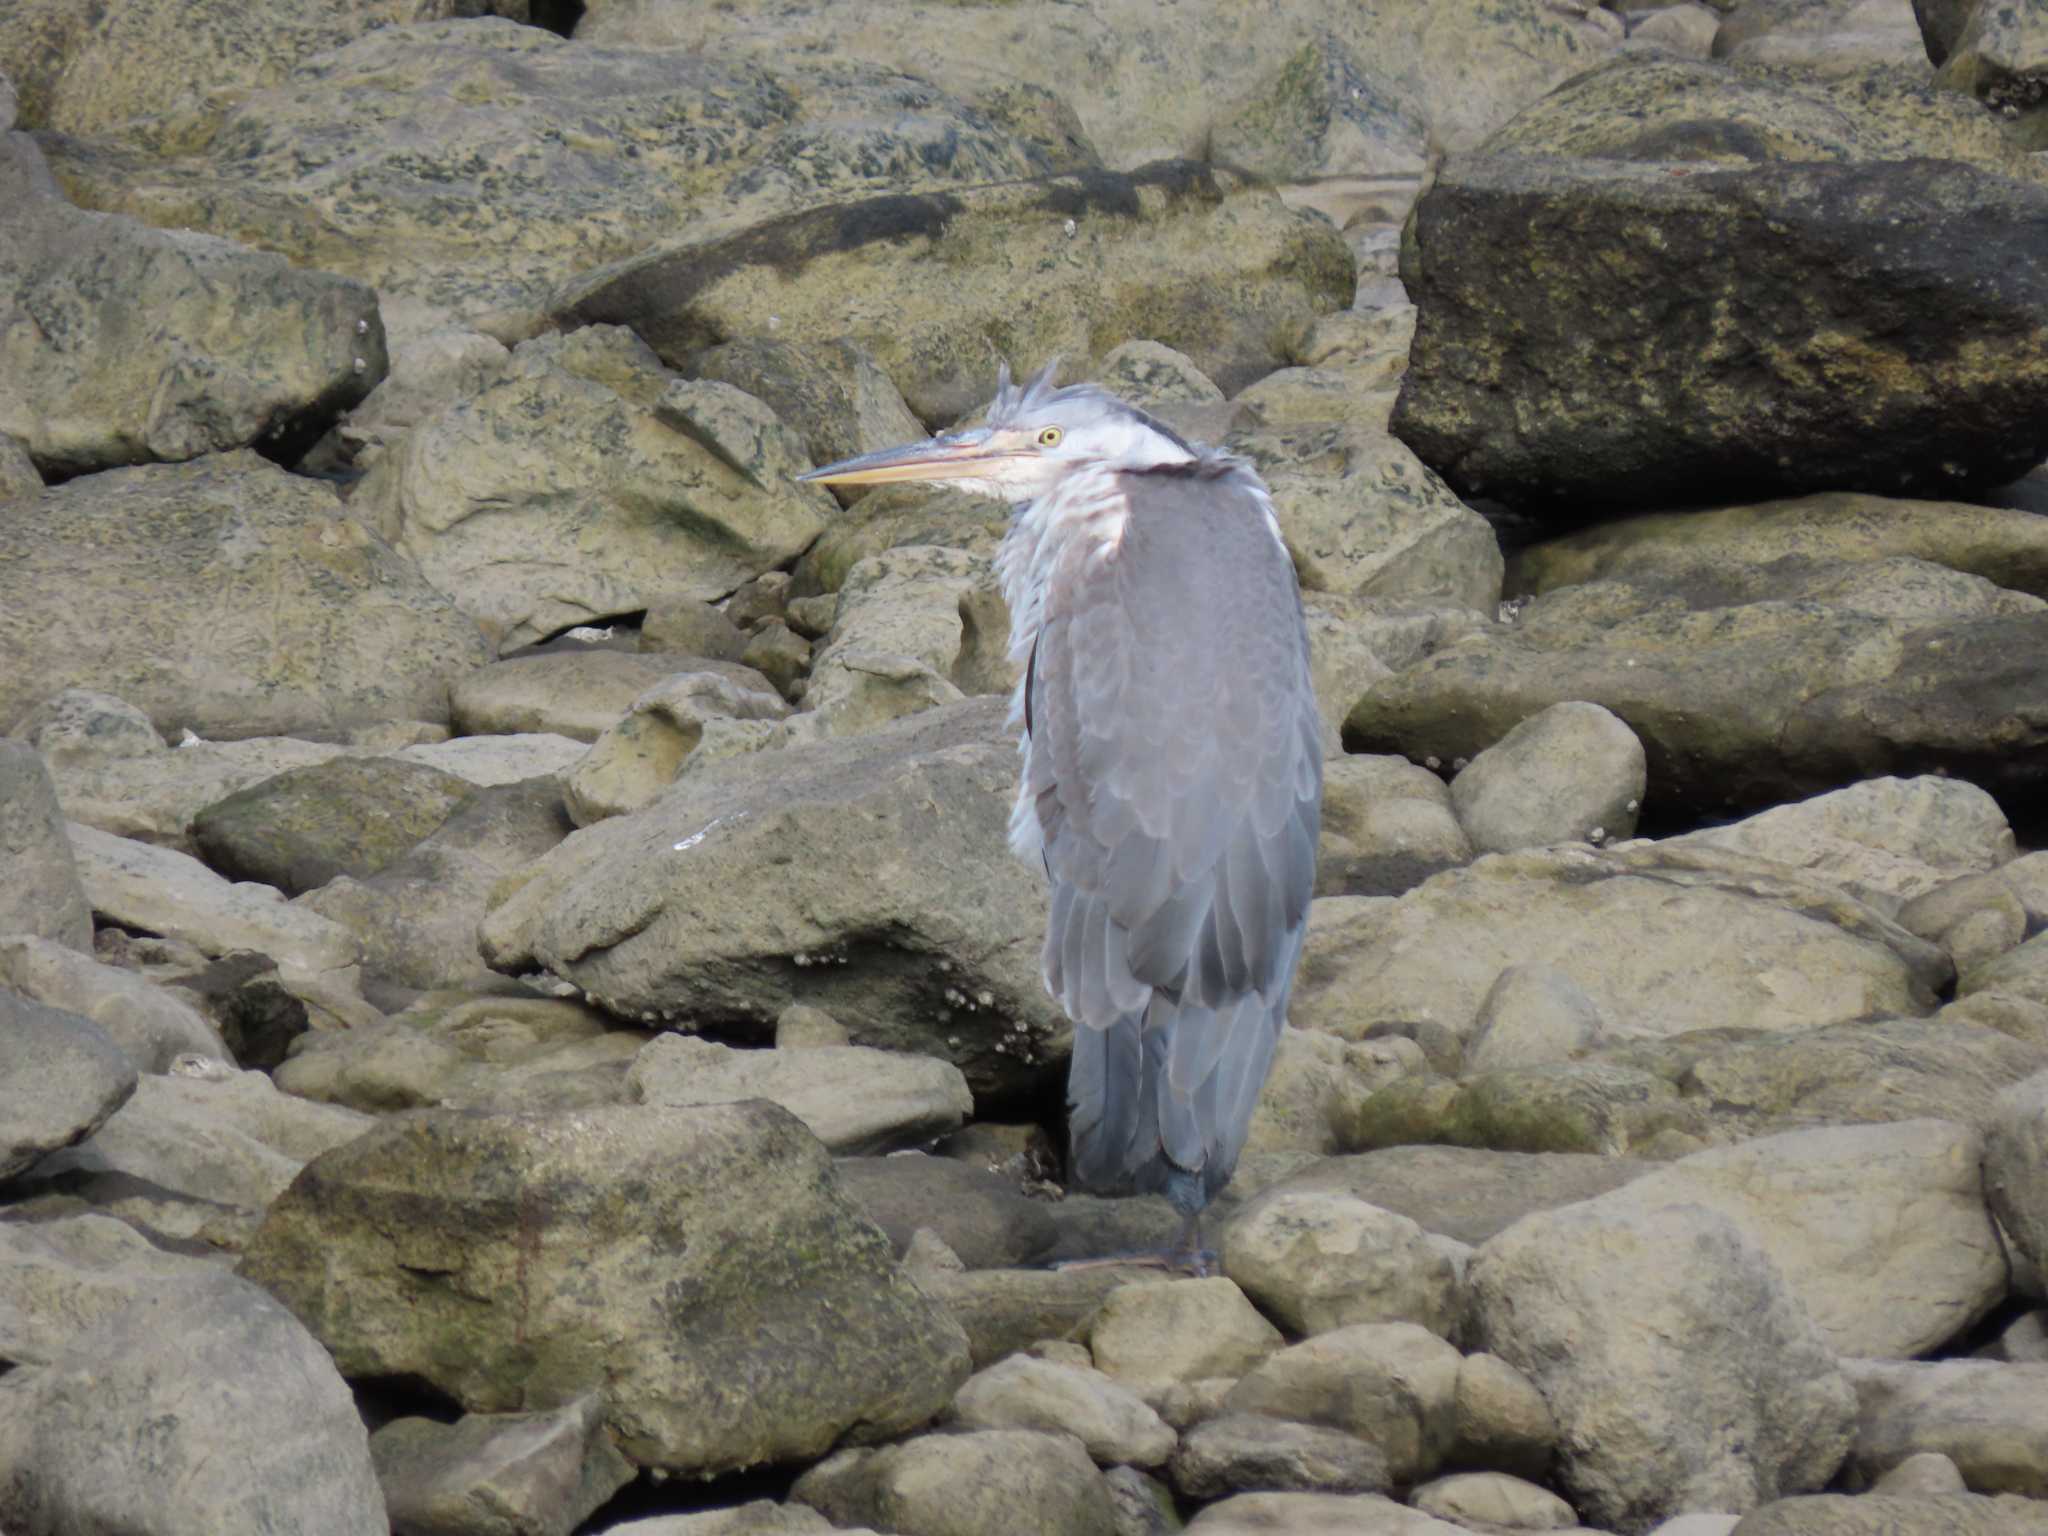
690 626
1242 1451
832 393
317 625
638 756
1110 1421
1682 1371
1989 1417
2016 1167
499 1474
1150 1336
1317 1085
1007 1310
348 816
41 896
62 1078
553 1240
2001 58
983 1217
1572 773
152 1025
963 1485
726 900
1504 398
60 1276
855 1100
1877 1514
1316 1262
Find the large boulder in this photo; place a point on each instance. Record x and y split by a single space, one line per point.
1870 353
312 625
121 344
698 1267
63 1077
41 896
586 481
868 874
1196 257
557 157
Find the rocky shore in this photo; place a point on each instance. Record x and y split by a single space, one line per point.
517 1016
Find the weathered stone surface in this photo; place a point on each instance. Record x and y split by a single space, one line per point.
1500 1420
1387 826
1976 919
1242 1451
1990 1417
1826 37
638 756
890 517
982 1217
204 1406
1683 1373
1872 1514
1533 1014
1182 253
41 895
689 626
1572 773
151 1025
1760 685
1007 1310
1391 1384
316 625
1505 397
2016 1167
1316 1087
499 1474
580 693
493 760
854 1099
1150 1336
60 1276
1109 1420
2001 58
1316 1514
542 1274
962 1485
569 154
347 816
832 393
761 1517
869 875
1493 1501
63 1077
680 489
1319 1261
1791 953
120 344
1924 1473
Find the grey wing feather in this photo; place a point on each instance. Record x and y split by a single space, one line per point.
1175 768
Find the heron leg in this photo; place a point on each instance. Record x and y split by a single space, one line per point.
1187 1252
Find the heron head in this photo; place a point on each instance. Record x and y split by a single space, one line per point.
1033 436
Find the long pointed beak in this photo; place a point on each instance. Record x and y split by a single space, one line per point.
958 455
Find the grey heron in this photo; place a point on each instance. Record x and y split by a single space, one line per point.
1172 766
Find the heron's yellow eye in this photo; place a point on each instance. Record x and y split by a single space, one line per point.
1050 437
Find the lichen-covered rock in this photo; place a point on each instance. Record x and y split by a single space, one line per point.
1151 1336
642 752
1319 1261
316 625
697 1267
831 393
1237 1451
509 1473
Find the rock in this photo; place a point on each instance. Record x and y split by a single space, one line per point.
762 1517
1792 685
1315 1514
1533 1014
203 1406
1150 1336
727 900
1976 919
347 816
576 154
1989 1417
1143 1504
1008 1310
1955 1514
1316 1262
42 896
450 1050
1570 774
802 1027
690 626
1492 1501
430 369
1387 827
891 517
962 1485
1628 922
1463 1193
1109 1420
855 1100
318 625
416 918
1494 402
62 1274
916 627
509 1473
644 751
152 1026
755 1368
1150 255
2022 972
1144 85
2000 544
577 693
160 891
832 393
982 1217
1686 30
2000 57
2027 875
782 656
1499 1419
2015 1164
257 1011
1317 1085
492 760
63 1078
126 344
1391 1384
1682 1371
1244 1451
1575 1106
1926 1473
1821 36
1884 841
1712 1525
685 487
77 727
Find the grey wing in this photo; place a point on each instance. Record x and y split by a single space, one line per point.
1175 770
